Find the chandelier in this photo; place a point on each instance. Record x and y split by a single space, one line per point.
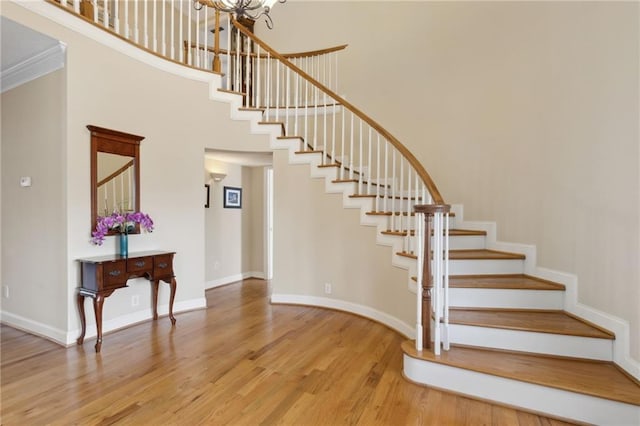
251 9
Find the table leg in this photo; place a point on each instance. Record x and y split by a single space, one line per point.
98 302
155 299
173 285
83 322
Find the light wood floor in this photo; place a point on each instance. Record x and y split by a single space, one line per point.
242 361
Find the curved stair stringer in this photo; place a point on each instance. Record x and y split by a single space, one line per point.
621 347
379 223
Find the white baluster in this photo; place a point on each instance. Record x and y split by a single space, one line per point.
155 26
333 133
394 176
146 23
360 155
127 34
377 205
229 68
258 77
324 123
94 3
306 106
316 101
172 50
277 94
297 100
136 28
351 150
238 63
342 153
408 221
247 77
420 253
386 175
268 83
105 17
116 17
369 166
198 51
287 95
445 323
164 29
401 217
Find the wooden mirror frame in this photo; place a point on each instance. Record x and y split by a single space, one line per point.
113 142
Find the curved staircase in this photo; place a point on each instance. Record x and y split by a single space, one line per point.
512 340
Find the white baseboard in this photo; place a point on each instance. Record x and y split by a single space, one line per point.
34 327
542 399
68 338
218 282
341 305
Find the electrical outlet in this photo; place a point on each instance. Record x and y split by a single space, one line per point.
5 291
135 300
327 288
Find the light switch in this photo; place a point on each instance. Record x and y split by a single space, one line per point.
25 181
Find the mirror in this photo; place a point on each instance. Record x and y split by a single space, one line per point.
115 173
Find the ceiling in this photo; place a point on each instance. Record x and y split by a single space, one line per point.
20 43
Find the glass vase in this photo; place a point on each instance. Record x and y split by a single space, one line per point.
124 244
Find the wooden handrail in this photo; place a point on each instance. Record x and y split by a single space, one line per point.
262 55
114 174
417 166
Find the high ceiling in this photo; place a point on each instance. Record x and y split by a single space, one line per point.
20 43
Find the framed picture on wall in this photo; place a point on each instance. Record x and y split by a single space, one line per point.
232 197
207 194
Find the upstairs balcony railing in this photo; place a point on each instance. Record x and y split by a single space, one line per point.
299 92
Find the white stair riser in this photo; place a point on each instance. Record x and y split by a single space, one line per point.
505 298
534 342
556 402
485 266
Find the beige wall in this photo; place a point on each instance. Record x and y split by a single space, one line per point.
234 237
108 89
317 241
525 112
34 226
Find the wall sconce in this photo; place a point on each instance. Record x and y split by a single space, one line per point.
217 177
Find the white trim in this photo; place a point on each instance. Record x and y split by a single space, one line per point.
41 64
218 282
620 327
556 402
532 342
341 305
69 338
34 327
133 318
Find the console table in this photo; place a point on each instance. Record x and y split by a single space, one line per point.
103 275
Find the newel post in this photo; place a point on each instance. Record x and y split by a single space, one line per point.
429 211
216 50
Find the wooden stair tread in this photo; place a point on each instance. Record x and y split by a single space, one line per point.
554 322
506 281
452 233
595 378
501 282
475 254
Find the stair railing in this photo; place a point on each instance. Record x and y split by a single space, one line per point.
299 92
364 153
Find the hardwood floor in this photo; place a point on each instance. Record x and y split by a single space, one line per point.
242 361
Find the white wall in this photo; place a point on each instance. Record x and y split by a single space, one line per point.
525 112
